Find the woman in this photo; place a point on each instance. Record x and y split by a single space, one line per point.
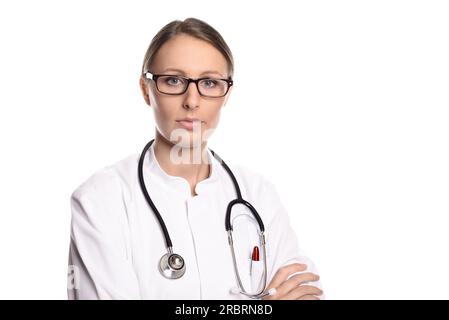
117 238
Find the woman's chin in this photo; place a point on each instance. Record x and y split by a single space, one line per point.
186 139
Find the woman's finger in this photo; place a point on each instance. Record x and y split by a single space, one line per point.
283 273
301 291
308 297
295 281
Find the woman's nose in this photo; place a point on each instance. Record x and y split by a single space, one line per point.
192 96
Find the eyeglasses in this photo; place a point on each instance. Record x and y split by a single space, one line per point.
177 85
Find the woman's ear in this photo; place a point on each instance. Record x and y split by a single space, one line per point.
144 88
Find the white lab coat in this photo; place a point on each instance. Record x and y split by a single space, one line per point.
116 241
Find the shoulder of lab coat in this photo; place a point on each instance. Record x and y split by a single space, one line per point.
282 242
97 252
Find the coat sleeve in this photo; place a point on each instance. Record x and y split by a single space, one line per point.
282 242
100 266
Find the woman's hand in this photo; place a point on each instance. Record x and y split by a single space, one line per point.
293 288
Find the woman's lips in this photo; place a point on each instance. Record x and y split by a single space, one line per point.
188 124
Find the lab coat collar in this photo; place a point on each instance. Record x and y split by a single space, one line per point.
179 184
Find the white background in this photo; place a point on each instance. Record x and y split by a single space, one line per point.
342 104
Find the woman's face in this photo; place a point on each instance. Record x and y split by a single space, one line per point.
194 58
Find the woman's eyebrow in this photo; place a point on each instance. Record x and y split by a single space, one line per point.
203 73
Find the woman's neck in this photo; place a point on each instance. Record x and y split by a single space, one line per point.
188 163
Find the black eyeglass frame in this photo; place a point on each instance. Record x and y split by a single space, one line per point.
196 81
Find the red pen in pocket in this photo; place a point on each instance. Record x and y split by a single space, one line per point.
254 257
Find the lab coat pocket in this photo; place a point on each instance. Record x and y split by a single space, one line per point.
256 269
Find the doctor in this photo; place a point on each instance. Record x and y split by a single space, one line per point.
117 239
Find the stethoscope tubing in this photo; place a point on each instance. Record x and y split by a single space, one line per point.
228 226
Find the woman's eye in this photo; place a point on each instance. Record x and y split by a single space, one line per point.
173 81
209 83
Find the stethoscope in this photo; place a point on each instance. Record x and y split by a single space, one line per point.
173 266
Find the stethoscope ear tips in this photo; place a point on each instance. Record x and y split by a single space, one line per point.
172 266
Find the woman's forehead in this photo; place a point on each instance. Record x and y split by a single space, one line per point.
197 72
190 56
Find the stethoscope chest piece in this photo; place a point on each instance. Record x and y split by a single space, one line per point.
172 266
